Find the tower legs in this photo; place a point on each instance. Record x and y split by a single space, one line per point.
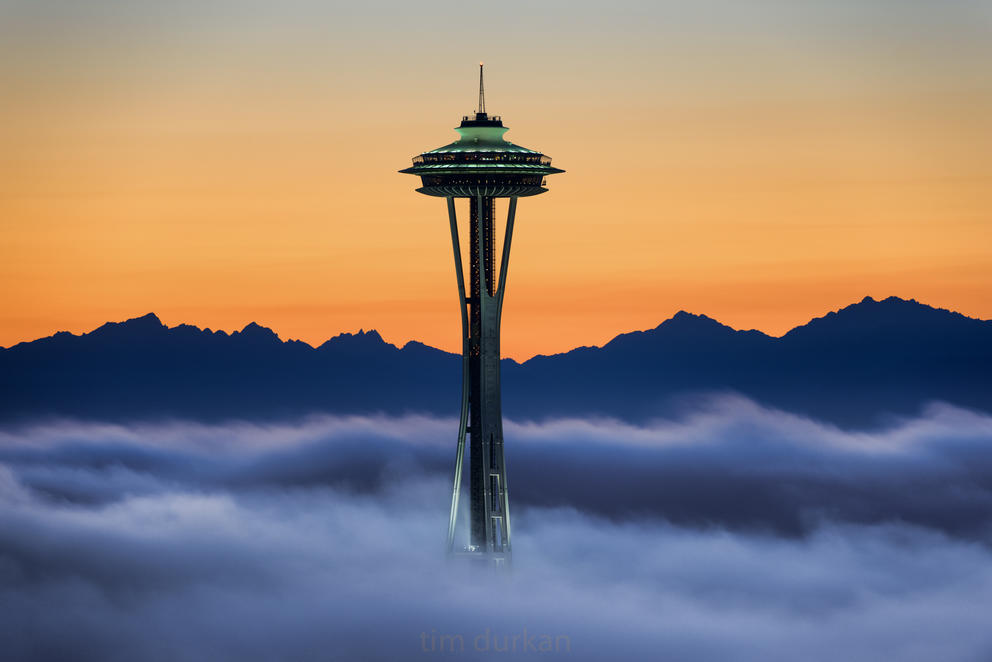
481 416
463 416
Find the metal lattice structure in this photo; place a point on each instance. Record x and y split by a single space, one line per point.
482 166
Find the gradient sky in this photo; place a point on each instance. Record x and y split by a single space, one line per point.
225 162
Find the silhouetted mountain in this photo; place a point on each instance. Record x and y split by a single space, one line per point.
142 369
853 366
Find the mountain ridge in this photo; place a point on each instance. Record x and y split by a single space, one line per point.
151 321
868 360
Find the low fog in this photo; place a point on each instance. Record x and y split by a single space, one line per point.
732 532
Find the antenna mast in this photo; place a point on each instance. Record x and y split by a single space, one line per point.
482 94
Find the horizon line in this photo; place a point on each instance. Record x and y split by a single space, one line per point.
363 331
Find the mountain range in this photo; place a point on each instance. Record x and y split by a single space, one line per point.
858 366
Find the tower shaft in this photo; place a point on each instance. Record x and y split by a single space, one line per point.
485 426
481 418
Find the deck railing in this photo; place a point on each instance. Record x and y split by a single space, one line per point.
481 157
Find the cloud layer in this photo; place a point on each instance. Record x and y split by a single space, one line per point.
733 533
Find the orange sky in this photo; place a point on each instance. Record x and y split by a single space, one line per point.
225 165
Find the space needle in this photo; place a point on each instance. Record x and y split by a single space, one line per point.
482 167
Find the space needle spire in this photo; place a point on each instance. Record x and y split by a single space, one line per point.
482 94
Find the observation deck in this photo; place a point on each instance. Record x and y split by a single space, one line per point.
482 163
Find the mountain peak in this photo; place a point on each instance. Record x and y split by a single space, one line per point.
255 331
363 338
680 324
371 335
148 323
900 318
251 327
683 318
888 301
684 322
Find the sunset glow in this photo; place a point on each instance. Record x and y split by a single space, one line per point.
222 163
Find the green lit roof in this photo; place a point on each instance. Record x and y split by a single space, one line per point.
481 150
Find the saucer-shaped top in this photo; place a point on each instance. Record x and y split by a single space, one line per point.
482 163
